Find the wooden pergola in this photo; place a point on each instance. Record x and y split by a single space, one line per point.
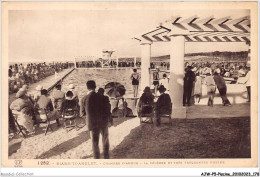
179 30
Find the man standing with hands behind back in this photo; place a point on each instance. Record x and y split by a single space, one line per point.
92 107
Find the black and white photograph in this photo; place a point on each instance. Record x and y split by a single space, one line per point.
127 81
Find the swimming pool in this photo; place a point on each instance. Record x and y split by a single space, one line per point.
79 77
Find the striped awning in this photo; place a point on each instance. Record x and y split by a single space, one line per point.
194 29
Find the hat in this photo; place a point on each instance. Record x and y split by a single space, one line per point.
39 88
161 88
71 86
147 90
25 87
194 69
20 93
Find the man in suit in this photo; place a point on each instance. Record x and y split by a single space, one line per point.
97 121
188 86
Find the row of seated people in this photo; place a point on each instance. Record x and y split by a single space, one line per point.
30 111
147 105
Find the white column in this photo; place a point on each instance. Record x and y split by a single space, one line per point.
134 61
177 47
117 62
145 65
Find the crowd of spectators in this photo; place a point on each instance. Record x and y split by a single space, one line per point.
213 76
89 64
20 74
233 70
98 64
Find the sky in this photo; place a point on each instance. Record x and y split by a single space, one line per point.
53 35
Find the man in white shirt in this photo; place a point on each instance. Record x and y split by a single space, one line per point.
165 82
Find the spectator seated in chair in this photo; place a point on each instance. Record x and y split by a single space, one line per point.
37 94
75 94
58 97
44 103
122 110
23 109
163 105
145 105
69 110
69 104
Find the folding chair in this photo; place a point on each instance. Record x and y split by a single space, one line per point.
146 111
44 112
20 128
70 115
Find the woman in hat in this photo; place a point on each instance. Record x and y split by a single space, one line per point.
163 104
147 98
23 109
37 95
75 93
197 88
211 88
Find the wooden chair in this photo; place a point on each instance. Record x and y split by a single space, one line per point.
167 114
146 111
44 112
70 115
20 128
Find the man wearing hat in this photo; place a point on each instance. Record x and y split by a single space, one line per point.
23 108
163 104
189 80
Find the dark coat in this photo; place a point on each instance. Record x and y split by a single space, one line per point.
163 104
97 109
189 78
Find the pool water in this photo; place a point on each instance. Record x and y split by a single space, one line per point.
79 77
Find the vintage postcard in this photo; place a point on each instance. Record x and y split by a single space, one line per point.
129 84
